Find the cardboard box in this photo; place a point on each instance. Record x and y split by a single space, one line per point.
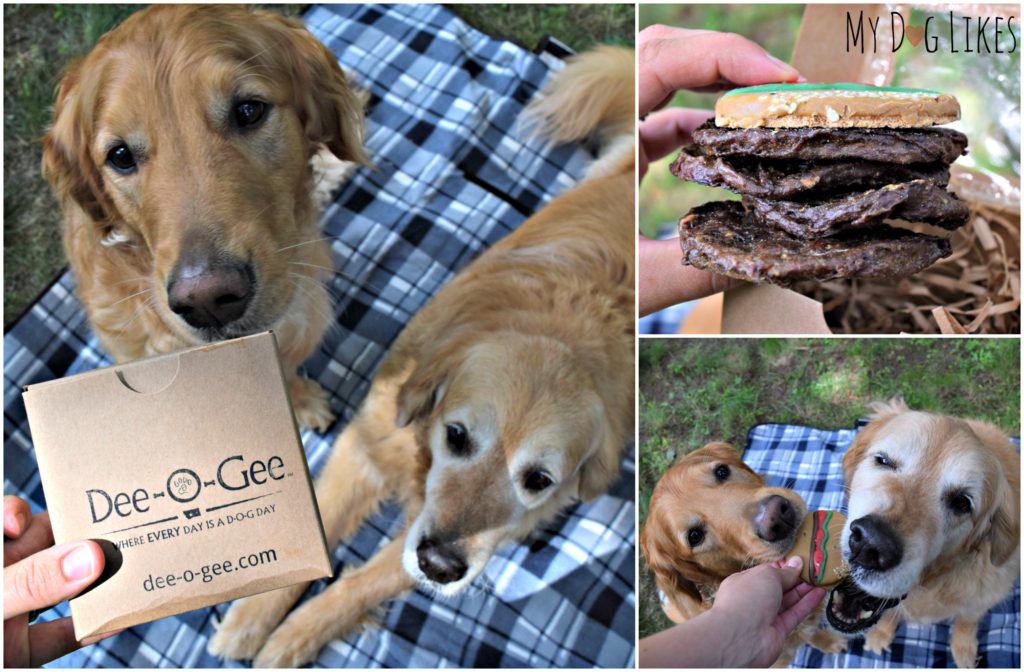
190 464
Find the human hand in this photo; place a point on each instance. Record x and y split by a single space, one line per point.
38 575
672 59
699 60
756 610
753 613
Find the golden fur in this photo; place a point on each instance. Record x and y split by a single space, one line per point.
687 496
953 566
164 83
531 350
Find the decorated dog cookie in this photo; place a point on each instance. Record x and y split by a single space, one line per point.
818 543
834 106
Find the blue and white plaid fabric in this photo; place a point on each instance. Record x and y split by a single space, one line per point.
809 461
453 177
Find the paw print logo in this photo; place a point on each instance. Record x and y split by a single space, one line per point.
183 485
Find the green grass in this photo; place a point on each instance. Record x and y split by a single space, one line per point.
41 40
693 391
578 26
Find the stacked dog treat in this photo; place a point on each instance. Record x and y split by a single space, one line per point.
821 168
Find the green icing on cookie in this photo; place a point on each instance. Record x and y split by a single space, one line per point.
783 88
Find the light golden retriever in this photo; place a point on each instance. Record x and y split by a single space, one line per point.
934 519
506 398
181 152
711 516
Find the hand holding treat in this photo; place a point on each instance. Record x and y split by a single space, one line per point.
818 544
674 59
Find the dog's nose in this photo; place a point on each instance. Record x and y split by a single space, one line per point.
874 544
776 519
210 294
441 562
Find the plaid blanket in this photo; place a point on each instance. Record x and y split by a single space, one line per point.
809 461
453 177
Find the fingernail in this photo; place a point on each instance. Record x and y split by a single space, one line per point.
78 564
16 523
796 561
781 63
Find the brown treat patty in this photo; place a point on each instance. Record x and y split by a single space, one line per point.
890 145
917 201
720 237
798 180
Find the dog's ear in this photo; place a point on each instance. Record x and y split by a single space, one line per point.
1005 534
668 569
419 395
886 409
425 387
330 110
1002 528
67 163
601 468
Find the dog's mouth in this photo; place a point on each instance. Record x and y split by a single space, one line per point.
227 332
851 610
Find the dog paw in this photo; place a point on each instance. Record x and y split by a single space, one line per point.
965 650
249 622
311 404
878 640
241 634
829 641
294 644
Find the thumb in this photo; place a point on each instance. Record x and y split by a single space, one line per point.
789 574
50 576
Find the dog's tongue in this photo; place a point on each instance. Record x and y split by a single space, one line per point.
852 610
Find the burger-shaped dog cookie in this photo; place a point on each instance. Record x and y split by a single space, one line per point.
822 169
817 542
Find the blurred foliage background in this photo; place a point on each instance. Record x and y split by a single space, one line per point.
694 391
986 84
41 40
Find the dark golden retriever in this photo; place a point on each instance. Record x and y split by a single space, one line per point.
181 152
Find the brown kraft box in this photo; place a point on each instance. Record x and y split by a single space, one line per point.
190 463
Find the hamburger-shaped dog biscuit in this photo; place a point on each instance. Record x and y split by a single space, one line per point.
818 543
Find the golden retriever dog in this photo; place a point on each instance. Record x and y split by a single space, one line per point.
508 397
711 516
181 151
934 519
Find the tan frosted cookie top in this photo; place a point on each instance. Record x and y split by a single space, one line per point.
818 543
835 106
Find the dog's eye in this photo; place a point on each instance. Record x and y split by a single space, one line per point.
722 472
537 480
121 159
695 537
959 503
458 439
883 460
248 113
